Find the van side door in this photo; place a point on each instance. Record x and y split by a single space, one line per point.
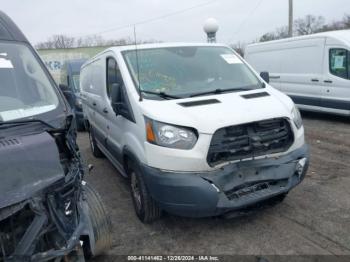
301 72
336 82
118 125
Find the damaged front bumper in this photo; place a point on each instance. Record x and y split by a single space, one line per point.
47 226
233 187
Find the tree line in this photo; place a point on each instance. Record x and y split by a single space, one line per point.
65 41
310 24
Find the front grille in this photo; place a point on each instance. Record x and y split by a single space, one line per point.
254 188
250 140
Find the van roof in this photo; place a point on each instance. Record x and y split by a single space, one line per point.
9 30
342 35
118 49
160 45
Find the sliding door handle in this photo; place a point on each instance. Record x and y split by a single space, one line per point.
328 81
315 80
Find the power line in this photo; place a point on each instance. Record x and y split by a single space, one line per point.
146 21
246 19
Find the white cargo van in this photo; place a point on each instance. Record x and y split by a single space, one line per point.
313 70
198 132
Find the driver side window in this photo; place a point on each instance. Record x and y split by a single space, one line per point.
113 75
339 62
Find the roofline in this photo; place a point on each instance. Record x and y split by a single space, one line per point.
13 33
150 46
162 45
330 34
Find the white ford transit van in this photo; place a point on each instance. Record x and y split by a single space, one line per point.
198 132
313 70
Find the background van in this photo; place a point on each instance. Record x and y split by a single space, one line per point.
69 84
313 70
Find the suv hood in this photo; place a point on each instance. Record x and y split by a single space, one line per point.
230 109
28 164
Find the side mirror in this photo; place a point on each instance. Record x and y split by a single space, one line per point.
265 76
116 97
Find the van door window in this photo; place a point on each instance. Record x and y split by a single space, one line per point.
339 62
113 75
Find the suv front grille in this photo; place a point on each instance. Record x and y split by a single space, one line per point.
250 140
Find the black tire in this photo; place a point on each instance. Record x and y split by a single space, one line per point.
93 145
145 207
100 221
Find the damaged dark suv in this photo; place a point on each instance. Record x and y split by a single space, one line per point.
47 211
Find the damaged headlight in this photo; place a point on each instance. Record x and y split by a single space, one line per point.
297 117
172 136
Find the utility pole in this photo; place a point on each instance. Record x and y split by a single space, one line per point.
290 25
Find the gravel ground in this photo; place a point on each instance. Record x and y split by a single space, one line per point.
313 220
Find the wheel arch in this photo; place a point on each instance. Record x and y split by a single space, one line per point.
129 155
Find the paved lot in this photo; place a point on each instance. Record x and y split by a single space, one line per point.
314 218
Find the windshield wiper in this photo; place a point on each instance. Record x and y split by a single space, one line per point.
219 91
161 94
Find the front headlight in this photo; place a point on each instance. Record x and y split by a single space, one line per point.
297 117
168 135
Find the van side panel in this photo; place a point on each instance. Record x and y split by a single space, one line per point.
125 134
301 71
266 61
297 65
92 82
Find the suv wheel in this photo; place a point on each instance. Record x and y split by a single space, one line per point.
100 222
146 208
94 148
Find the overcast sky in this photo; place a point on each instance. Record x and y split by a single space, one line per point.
240 20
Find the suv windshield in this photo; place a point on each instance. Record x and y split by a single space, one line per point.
25 90
190 70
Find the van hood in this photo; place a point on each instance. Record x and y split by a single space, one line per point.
28 164
217 111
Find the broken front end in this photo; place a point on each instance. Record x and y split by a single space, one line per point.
47 211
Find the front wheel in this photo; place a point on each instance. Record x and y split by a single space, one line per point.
146 208
100 222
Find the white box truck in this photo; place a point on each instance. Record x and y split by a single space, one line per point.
313 70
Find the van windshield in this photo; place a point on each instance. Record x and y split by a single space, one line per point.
25 90
190 70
